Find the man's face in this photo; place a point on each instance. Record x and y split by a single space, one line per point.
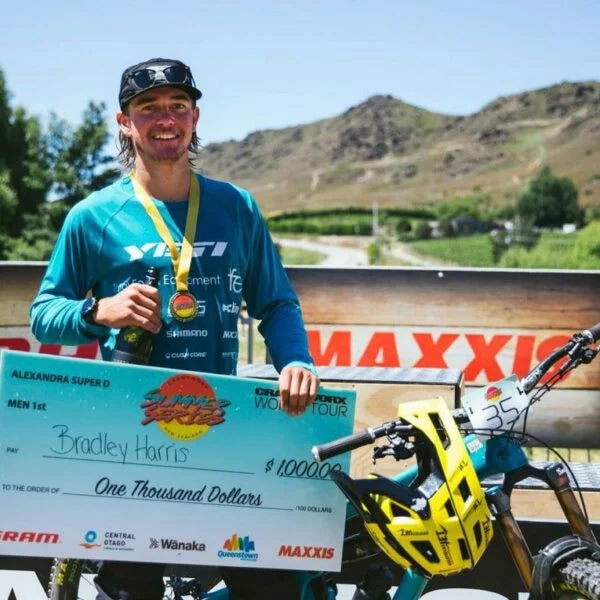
160 123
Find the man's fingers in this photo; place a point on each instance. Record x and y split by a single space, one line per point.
297 388
138 305
284 390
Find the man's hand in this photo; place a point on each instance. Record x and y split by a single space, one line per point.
297 389
138 304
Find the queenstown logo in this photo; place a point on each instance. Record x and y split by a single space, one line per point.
90 540
160 249
306 552
31 537
184 407
172 544
242 548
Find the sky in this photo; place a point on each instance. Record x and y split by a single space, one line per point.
268 64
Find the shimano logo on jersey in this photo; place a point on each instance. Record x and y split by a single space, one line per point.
160 249
187 333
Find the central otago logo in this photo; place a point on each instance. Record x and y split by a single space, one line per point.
240 547
185 407
90 540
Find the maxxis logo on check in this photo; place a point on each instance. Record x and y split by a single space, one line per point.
306 551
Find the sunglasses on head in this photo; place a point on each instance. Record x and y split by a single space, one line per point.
145 78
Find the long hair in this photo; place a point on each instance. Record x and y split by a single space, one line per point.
126 149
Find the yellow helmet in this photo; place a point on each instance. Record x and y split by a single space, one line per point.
440 524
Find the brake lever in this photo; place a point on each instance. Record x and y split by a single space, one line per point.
398 447
589 354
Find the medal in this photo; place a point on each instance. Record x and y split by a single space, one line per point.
183 306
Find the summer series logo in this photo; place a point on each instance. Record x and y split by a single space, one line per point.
184 407
240 547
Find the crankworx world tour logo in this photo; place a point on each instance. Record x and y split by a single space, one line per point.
185 407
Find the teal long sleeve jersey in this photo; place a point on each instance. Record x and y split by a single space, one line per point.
108 241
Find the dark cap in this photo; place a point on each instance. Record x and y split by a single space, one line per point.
156 72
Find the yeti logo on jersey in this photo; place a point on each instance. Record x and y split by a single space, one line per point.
160 249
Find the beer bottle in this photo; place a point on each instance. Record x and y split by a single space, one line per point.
134 344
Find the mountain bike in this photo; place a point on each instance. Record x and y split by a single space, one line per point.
435 516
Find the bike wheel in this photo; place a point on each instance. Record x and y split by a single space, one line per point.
578 579
65 577
68 582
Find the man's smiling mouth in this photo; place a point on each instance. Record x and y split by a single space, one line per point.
164 136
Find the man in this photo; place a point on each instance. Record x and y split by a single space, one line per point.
212 248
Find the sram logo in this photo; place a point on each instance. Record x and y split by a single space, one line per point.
160 249
306 551
31 537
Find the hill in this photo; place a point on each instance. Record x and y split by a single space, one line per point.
396 154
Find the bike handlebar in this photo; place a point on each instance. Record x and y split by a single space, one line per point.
593 333
345 444
368 435
577 343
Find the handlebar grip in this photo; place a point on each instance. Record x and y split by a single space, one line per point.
345 444
594 332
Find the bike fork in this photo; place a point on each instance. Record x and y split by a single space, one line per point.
560 484
499 503
555 476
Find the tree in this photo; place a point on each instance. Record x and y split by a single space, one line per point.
550 201
63 164
77 156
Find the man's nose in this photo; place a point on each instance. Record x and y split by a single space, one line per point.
165 114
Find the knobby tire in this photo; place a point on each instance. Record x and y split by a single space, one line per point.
64 579
579 579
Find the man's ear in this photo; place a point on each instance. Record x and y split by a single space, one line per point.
196 116
124 123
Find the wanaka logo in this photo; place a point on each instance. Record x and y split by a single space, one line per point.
173 544
493 394
185 407
31 537
90 540
242 548
306 551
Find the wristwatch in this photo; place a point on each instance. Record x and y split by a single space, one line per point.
88 310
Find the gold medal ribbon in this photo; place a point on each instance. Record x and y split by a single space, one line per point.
181 260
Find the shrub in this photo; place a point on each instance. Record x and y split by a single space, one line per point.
550 201
422 230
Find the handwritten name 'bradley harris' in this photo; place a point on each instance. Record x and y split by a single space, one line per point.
144 490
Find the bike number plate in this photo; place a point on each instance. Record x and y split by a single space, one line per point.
497 406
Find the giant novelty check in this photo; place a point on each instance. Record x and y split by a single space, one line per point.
111 461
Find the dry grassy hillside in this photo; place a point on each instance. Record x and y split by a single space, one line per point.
388 151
